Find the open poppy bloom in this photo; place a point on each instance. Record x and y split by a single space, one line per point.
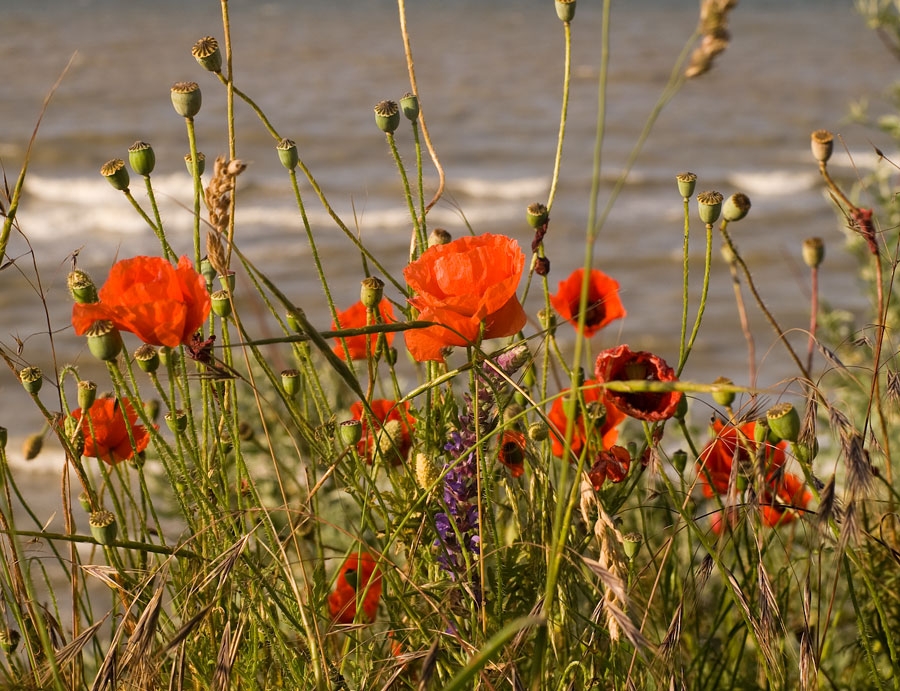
358 580
460 286
784 493
512 452
599 427
161 304
393 425
355 317
106 431
622 364
612 465
603 303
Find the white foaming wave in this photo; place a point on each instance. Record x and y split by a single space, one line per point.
519 188
774 183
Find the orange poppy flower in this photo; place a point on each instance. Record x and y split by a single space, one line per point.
512 452
355 317
603 303
461 285
622 364
730 444
358 577
106 430
785 493
159 303
612 465
393 427
601 433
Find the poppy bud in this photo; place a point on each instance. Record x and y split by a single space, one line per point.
682 409
81 287
151 408
387 116
351 432
439 236
565 10
686 184
538 431
409 104
391 356
512 413
784 421
371 292
290 382
206 52
293 323
31 378
142 158
709 204
287 153
537 215
85 501
103 526
116 173
4 437
176 421
761 431
167 356
201 163
631 544
736 207
813 252
427 471
186 98
822 144
147 358
542 266
104 340
679 460
547 319
805 453
32 446
221 303
723 398
9 640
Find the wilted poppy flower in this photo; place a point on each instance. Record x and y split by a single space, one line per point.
733 443
359 579
621 364
159 303
105 430
603 419
603 303
512 452
354 318
393 425
612 465
461 285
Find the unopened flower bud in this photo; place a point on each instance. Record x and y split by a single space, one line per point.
31 378
813 252
290 382
409 104
709 204
176 421
805 453
538 431
84 501
293 323
351 432
822 144
147 358
151 408
723 398
221 303
547 319
186 98
116 173
736 207
679 460
686 184
387 116
141 158
784 421
565 10
206 52
371 292
537 215
103 526
201 163
81 287
32 446
439 236
104 340
427 471
287 153
682 409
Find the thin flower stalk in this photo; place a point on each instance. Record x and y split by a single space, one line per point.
563 117
419 240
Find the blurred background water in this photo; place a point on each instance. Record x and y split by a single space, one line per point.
490 84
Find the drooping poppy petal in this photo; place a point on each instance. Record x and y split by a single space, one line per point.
461 285
355 317
511 452
603 303
598 427
358 578
622 364
612 464
391 439
105 430
159 303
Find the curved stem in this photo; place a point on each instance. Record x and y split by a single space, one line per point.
567 77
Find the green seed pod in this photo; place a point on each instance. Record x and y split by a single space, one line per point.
679 460
351 432
784 421
32 446
761 431
439 236
186 98
151 408
115 171
81 287
32 378
736 207
141 158
103 526
206 52
208 271
293 323
723 398
87 394
709 204
147 358
176 421
104 340
221 303
822 144
201 163
290 382
538 431
537 215
631 544
813 252
565 10
287 153
409 104
387 116
686 184
227 280
371 292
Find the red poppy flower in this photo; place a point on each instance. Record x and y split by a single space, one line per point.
393 427
512 452
731 444
106 430
612 465
355 317
621 364
784 494
461 285
358 578
603 303
602 432
159 303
